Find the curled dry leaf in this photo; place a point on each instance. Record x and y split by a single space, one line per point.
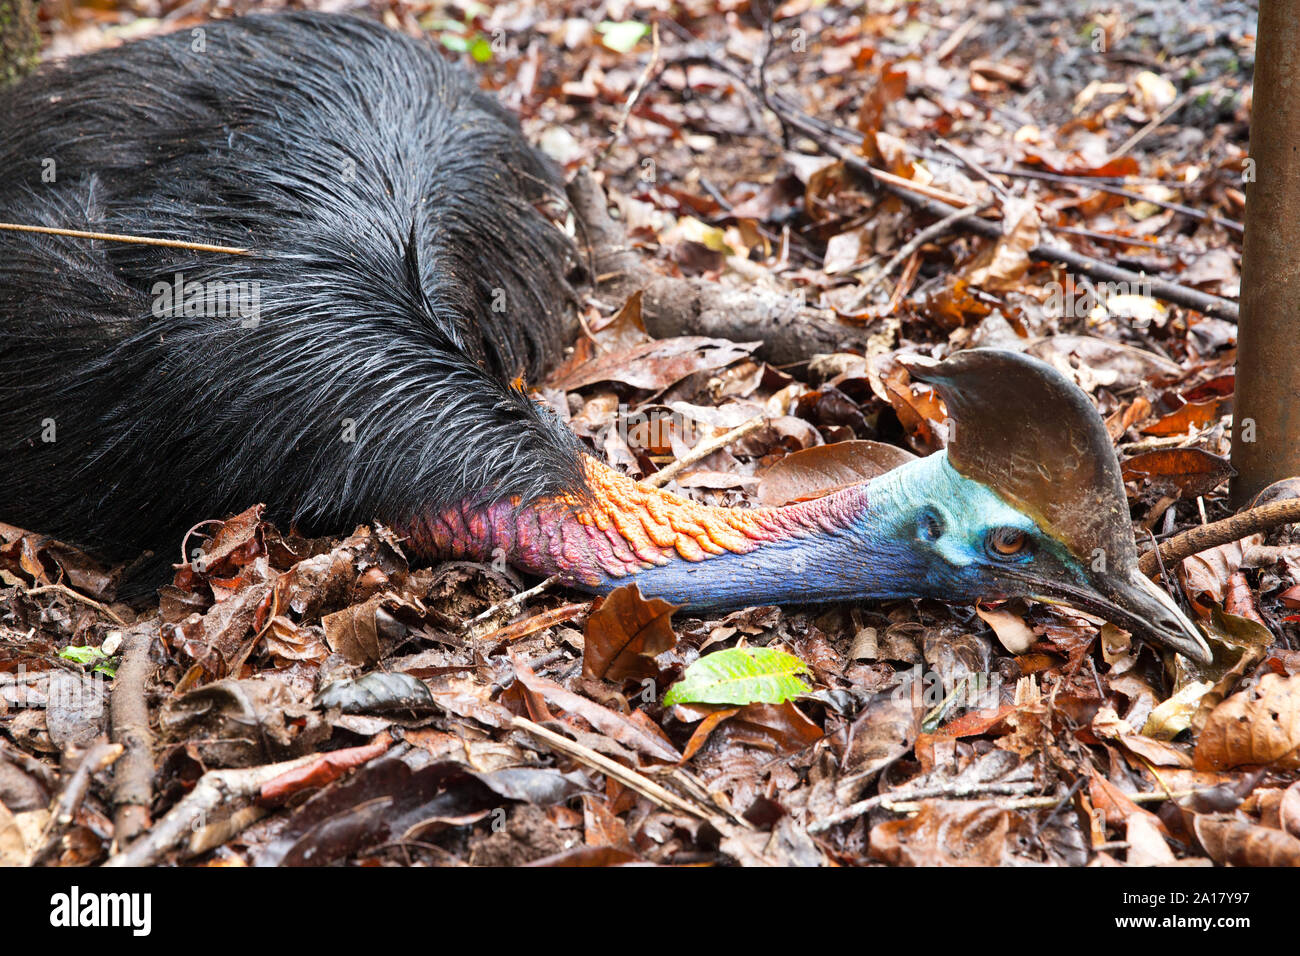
1256 727
775 728
1233 841
1146 844
618 727
1171 717
624 634
824 469
1189 418
1206 576
1013 633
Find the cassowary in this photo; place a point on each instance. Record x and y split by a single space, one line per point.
361 363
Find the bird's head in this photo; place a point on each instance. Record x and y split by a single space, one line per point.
1026 501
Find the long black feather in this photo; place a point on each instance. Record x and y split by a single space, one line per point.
404 277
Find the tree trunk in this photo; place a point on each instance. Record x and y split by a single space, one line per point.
20 41
1266 435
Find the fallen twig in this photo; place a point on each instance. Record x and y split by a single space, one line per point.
1044 803
129 716
931 231
998 189
790 331
63 813
891 800
76 596
1150 127
634 96
611 768
703 450
1206 536
913 801
475 626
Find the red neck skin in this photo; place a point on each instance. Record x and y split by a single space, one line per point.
624 530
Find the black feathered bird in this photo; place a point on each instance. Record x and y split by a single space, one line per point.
359 364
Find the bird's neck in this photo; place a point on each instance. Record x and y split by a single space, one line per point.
840 546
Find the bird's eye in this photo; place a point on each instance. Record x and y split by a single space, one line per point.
1006 542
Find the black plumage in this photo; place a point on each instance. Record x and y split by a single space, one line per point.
404 278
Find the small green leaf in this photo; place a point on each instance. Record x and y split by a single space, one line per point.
621 37
82 655
481 49
454 43
743 675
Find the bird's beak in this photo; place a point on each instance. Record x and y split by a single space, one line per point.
1139 606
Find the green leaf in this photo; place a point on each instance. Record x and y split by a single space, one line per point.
454 43
481 49
743 675
621 37
82 655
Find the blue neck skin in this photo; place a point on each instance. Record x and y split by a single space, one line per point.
885 548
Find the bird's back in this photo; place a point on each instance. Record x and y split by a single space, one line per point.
356 364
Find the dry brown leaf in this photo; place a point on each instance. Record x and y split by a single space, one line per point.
1256 727
815 472
1146 844
1187 471
884 732
1232 841
616 726
947 833
624 634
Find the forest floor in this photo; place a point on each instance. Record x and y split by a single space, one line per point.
329 701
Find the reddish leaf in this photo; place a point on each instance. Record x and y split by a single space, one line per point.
1192 416
1191 471
326 768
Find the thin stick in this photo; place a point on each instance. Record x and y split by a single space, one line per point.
68 592
1105 185
916 242
1044 803
954 39
132 240
98 756
1206 536
998 189
1146 131
890 800
635 95
703 450
912 801
624 775
510 605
